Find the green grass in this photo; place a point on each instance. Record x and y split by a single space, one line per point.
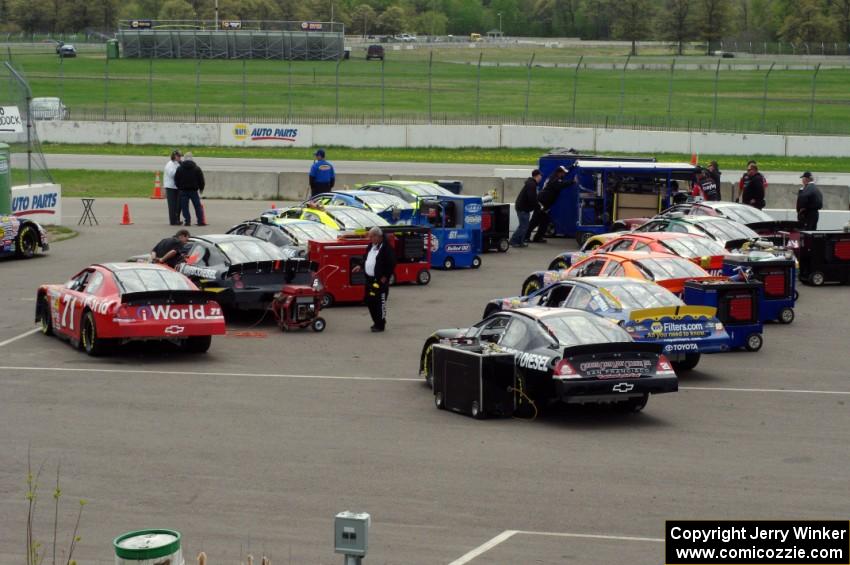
170 93
77 183
523 157
60 233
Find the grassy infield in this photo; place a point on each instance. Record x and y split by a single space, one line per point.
502 95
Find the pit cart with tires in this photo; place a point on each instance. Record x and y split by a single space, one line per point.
455 223
824 257
738 307
298 307
495 227
21 238
778 276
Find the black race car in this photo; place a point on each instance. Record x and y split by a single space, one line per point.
243 272
566 355
291 236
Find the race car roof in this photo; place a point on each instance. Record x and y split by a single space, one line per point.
636 165
222 237
126 266
634 255
662 235
541 313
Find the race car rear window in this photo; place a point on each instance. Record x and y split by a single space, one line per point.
250 251
672 268
726 230
583 330
635 295
693 246
149 280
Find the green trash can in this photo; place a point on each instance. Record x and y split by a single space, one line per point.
5 180
112 51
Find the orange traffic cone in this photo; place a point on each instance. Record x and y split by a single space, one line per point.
694 159
273 206
157 188
126 221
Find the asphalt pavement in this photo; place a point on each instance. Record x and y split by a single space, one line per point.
254 446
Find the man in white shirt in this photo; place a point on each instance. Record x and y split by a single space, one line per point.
172 195
378 265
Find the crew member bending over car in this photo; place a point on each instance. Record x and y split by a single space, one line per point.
322 175
378 265
170 250
526 203
545 200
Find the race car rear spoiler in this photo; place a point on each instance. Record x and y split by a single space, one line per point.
774 226
673 312
167 297
609 348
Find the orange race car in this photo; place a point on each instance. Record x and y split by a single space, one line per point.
703 251
669 271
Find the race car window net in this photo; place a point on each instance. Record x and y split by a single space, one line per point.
251 251
672 268
693 247
726 229
148 280
584 330
635 295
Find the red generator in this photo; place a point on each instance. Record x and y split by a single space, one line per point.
297 306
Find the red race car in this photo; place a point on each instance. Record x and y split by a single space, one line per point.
106 305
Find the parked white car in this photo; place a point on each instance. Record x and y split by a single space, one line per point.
48 108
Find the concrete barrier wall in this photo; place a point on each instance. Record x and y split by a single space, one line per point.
449 136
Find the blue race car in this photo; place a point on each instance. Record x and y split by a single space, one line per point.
21 237
393 209
647 311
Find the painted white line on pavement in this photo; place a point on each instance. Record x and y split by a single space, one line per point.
204 374
787 390
17 337
508 534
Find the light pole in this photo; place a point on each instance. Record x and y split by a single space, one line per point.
216 14
500 24
364 24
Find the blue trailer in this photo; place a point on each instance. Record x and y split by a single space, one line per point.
455 223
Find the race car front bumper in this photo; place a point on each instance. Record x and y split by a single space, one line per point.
612 390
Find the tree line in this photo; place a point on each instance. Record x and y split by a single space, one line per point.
676 21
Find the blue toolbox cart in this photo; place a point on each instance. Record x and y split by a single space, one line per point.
824 257
778 277
455 223
738 307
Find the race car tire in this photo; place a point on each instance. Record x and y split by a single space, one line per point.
26 243
44 318
89 340
816 278
786 315
476 262
689 362
504 245
796 295
327 300
392 279
424 277
198 344
632 405
475 410
582 237
559 264
449 264
319 325
754 342
438 401
426 364
531 284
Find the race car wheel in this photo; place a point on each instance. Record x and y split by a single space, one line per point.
449 264
475 410
632 405
318 325
786 316
198 344
559 264
689 362
392 279
44 317
816 278
424 277
504 245
438 400
582 237
476 262
27 243
754 342
327 300
796 295
531 284
426 365
91 342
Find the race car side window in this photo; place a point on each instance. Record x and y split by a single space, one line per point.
642 247
613 269
593 268
579 298
656 225
678 228
263 232
557 295
493 330
516 335
196 255
94 283
623 245
292 213
277 237
312 217
79 282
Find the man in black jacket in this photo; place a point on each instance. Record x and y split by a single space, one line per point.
378 266
189 179
753 187
809 203
526 203
546 199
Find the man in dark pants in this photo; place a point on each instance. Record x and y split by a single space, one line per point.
526 203
322 175
378 266
169 250
172 195
714 173
545 200
189 179
809 203
753 187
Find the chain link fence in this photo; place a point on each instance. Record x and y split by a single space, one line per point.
31 168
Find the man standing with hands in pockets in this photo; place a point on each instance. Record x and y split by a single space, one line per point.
378 266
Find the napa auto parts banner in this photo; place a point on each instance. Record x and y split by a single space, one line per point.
266 135
41 203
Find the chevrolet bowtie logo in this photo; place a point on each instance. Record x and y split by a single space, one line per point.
174 330
623 387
